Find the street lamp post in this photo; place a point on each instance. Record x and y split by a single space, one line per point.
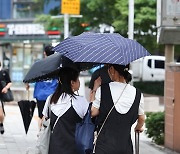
131 20
66 26
66 22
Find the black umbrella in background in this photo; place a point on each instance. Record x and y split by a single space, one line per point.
48 68
27 110
103 73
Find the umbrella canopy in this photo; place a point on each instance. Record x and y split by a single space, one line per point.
48 68
109 48
27 110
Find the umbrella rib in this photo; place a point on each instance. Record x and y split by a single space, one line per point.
125 53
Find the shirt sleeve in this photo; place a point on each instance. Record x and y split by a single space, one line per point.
85 106
141 105
96 102
46 108
80 104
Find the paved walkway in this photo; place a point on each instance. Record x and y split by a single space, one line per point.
15 141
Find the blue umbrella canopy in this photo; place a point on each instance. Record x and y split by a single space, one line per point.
107 48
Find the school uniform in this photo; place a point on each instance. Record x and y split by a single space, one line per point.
115 137
71 111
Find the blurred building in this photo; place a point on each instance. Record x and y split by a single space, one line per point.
21 39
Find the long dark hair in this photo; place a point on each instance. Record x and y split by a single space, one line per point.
123 71
66 75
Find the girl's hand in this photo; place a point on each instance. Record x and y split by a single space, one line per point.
27 86
97 83
139 130
4 90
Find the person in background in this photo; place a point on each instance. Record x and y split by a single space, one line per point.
43 89
4 76
178 60
103 73
115 135
70 107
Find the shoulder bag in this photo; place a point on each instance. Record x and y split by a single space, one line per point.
6 97
42 145
84 134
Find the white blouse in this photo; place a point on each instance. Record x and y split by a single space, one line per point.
80 105
126 100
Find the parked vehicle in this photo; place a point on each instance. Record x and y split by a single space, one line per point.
149 68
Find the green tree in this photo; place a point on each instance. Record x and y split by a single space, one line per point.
155 127
115 13
50 23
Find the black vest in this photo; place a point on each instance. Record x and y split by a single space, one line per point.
115 137
62 140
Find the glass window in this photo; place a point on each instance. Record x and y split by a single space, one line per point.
24 55
159 64
149 63
26 9
6 50
17 63
22 10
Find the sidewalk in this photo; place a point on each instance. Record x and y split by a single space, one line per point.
15 141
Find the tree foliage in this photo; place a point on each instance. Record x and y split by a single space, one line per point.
155 127
115 13
50 23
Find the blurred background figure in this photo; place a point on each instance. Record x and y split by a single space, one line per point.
43 89
4 77
102 72
178 60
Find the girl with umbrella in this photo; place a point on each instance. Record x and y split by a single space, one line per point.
70 108
118 106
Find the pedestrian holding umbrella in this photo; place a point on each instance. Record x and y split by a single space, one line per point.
48 68
84 52
117 104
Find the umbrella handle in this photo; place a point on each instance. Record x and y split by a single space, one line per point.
28 94
136 142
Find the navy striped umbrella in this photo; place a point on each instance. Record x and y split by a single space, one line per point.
109 48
